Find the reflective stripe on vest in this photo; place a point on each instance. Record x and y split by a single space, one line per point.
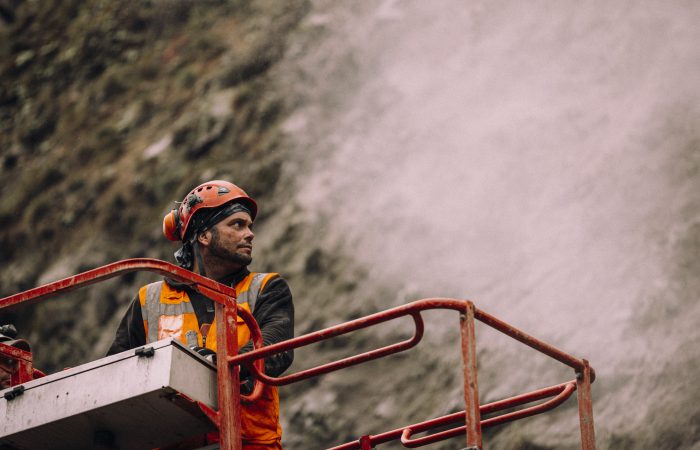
165 308
155 306
249 294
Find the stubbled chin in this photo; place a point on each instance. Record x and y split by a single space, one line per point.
244 258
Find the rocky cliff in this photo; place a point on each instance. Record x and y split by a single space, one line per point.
542 161
110 112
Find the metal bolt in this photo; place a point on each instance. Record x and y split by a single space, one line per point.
145 352
14 393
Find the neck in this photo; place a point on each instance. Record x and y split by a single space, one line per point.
217 270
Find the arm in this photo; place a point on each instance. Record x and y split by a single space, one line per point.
274 312
130 333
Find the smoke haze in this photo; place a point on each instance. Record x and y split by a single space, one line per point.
539 158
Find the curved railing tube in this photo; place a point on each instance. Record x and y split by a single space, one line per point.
336 365
228 416
116 269
258 366
561 392
565 392
412 309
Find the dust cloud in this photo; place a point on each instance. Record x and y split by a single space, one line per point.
541 158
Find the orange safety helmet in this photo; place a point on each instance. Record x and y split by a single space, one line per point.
211 194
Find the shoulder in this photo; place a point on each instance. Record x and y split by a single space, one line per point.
276 293
267 278
153 291
272 282
275 299
149 290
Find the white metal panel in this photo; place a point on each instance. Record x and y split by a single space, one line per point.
127 399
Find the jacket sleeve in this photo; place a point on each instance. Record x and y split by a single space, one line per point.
130 333
274 312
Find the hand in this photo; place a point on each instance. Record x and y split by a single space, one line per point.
247 385
207 353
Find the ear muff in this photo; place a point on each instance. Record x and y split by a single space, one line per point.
171 225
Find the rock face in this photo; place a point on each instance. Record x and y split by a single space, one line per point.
109 113
546 168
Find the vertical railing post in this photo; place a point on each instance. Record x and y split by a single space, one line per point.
24 372
471 387
365 443
227 376
23 359
585 407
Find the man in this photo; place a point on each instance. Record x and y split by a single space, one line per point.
214 223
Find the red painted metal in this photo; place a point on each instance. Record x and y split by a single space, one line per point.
565 389
258 366
365 443
471 386
228 416
24 371
561 392
540 346
116 269
326 334
585 407
412 309
211 413
227 377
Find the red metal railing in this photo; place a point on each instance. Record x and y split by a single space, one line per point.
560 392
227 417
471 416
25 370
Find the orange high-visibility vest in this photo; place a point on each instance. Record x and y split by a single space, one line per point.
168 313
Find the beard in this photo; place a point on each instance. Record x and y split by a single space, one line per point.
226 253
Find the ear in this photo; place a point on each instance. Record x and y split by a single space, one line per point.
204 238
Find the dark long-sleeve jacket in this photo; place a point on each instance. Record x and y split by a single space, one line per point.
273 310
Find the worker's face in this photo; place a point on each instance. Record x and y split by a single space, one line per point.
232 239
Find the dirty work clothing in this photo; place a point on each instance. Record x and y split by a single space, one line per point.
273 446
180 309
201 441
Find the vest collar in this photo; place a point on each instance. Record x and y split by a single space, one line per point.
234 278
229 280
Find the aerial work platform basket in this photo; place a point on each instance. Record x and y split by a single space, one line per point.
37 411
134 399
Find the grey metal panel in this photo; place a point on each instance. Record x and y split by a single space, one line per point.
129 397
